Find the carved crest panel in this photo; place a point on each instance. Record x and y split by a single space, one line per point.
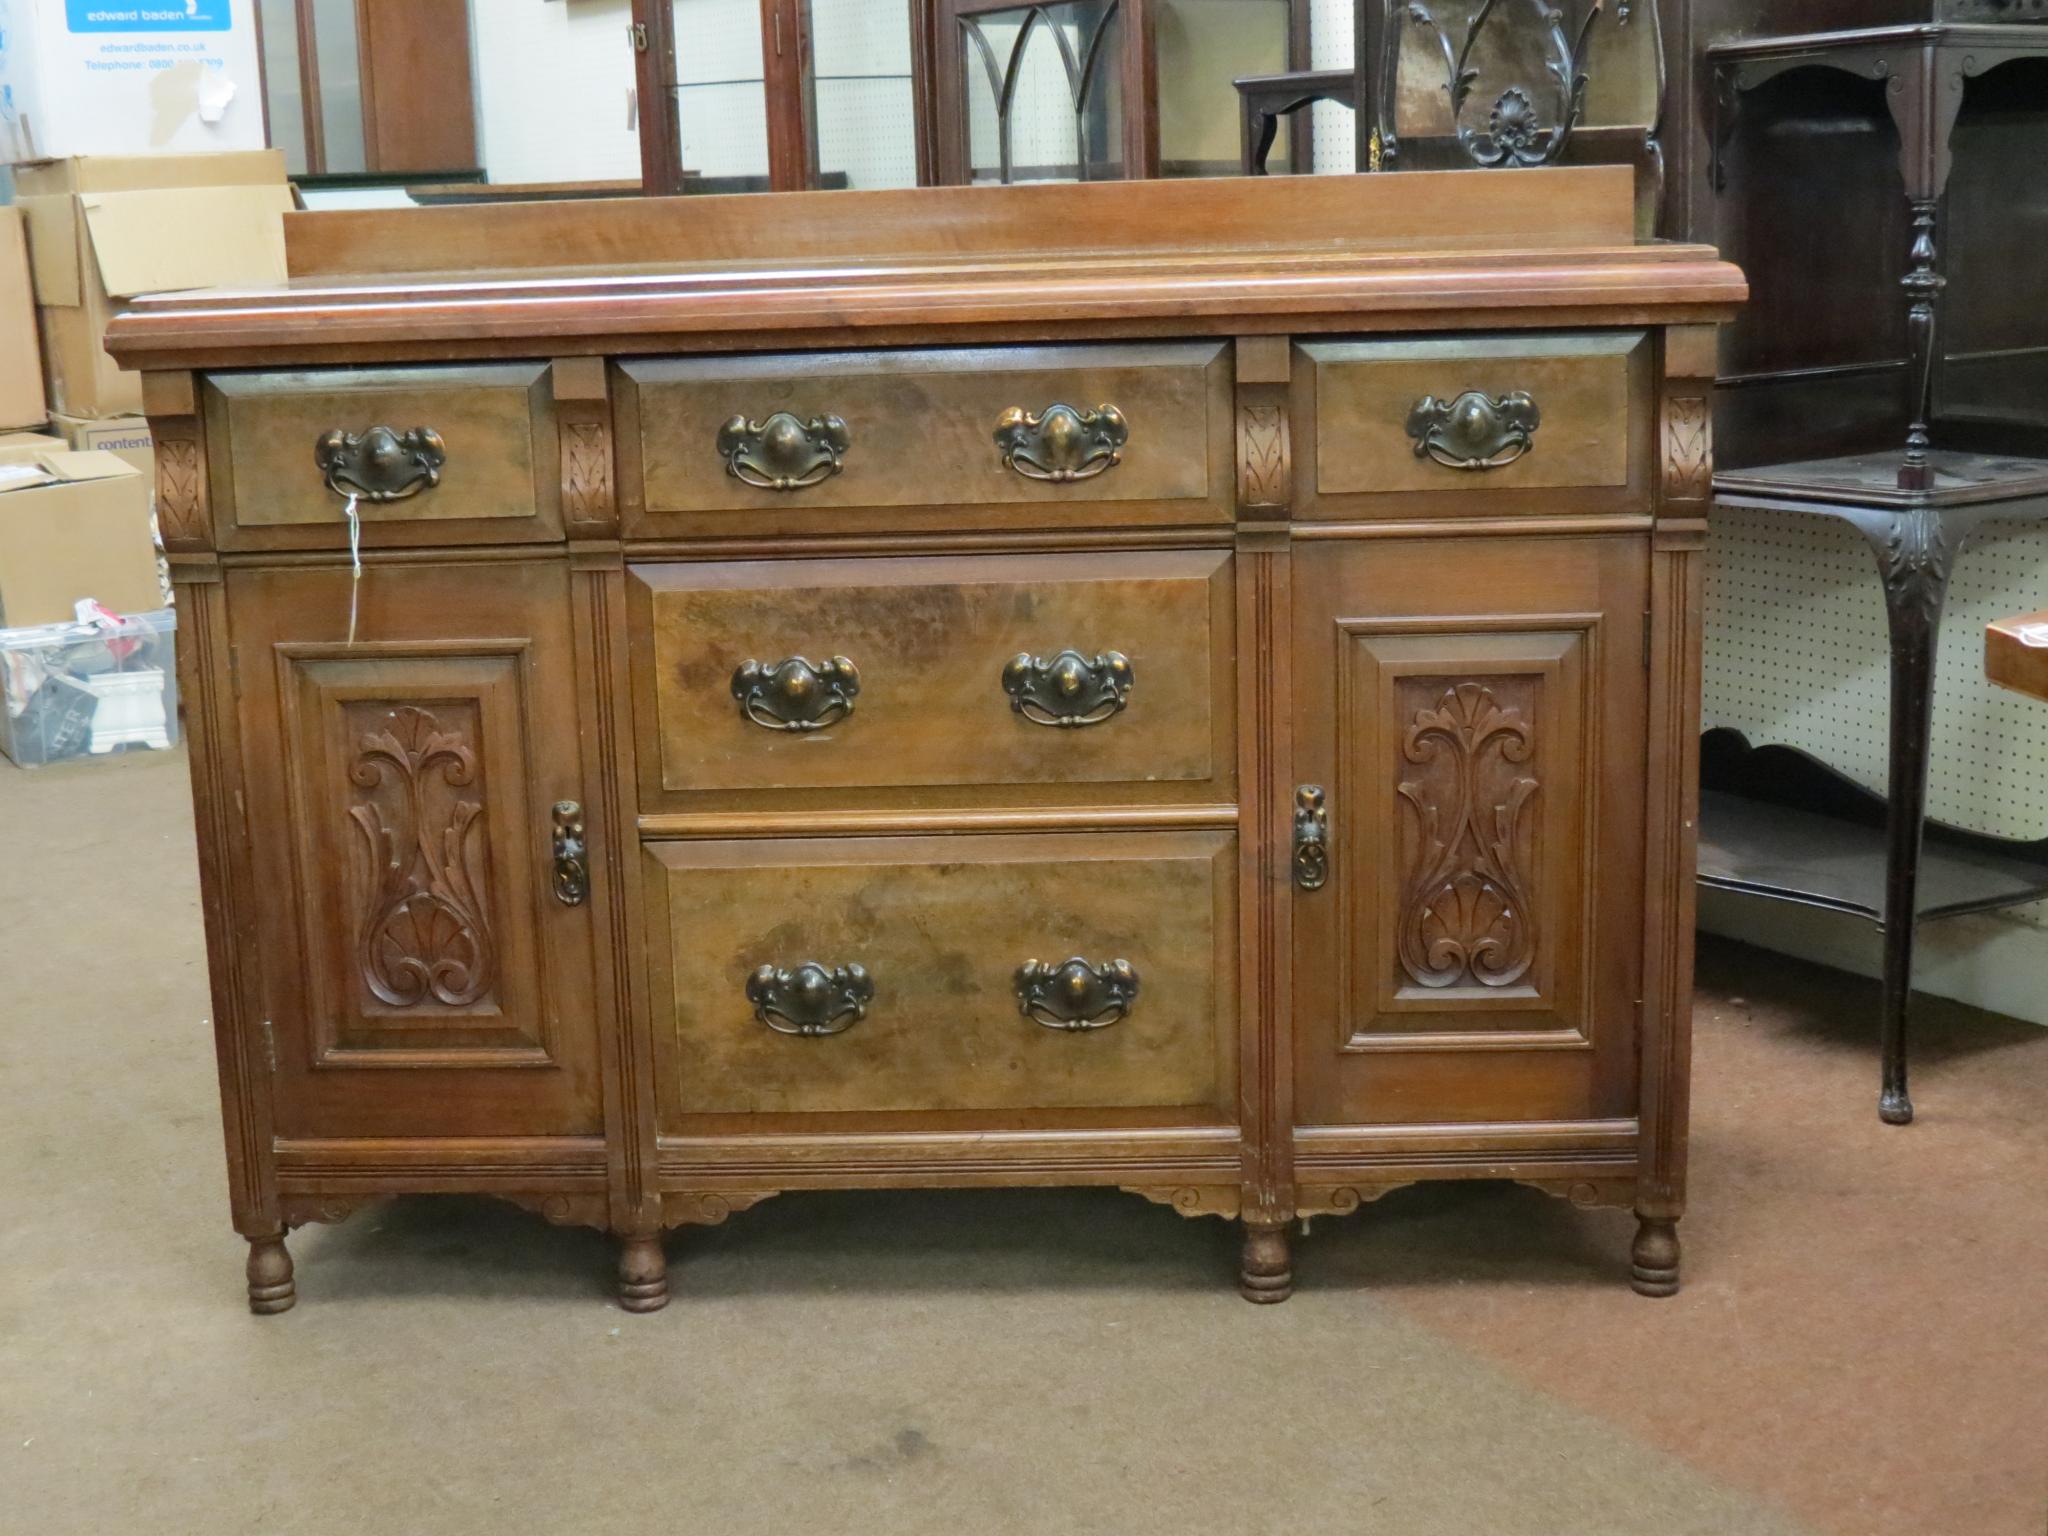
1469 845
1461 829
423 933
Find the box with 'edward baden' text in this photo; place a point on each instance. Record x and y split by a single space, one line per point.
128 77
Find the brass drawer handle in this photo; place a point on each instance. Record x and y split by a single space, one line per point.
1077 996
1069 690
793 695
572 869
811 1000
783 453
1476 430
1311 838
1062 444
381 464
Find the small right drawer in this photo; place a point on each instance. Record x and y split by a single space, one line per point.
1548 424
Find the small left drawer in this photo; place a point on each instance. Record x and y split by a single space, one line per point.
462 454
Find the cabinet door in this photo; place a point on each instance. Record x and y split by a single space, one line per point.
422 974
1473 711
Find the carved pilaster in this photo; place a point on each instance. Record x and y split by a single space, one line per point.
1265 765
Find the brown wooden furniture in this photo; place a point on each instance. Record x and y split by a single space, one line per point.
1263 101
1891 378
368 86
2016 654
1190 687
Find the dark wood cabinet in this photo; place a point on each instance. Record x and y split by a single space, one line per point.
424 976
1472 956
1180 710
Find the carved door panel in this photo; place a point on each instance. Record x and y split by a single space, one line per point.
423 973
1473 713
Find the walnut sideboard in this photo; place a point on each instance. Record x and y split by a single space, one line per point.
1189 687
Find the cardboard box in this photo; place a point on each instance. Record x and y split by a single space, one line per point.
128 77
21 369
72 526
33 440
126 437
103 229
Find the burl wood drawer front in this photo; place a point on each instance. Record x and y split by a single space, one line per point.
1474 426
1015 436
883 974
1065 679
433 455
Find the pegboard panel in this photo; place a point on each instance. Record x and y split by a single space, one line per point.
577 60
867 127
1332 39
1796 652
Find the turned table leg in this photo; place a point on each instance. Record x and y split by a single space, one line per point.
1915 552
643 1274
271 1287
1653 1268
1268 1271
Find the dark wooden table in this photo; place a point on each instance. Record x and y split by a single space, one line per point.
1775 822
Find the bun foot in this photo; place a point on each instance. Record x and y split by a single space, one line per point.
271 1287
643 1275
1654 1270
1268 1272
1894 1108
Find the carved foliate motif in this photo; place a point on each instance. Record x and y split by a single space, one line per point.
1465 917
1688 449
1263 456
424 935
1915 559
177 490
587 472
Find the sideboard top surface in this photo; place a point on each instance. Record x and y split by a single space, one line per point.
1452 250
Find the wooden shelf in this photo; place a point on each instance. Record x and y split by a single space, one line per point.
1778 823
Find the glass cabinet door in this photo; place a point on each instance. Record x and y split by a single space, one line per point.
1043 90
862 93
1203 46
721 95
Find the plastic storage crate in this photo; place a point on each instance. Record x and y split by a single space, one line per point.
100 685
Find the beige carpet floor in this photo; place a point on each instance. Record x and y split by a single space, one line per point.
1862 1347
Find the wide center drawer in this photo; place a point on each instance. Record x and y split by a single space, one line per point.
1021 437
891 974
1067 679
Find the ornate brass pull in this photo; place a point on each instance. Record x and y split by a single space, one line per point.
1076 996
381 464
1311 838
1061 443
793 695
783 453
1474 431
572 871
810 1000
1069 690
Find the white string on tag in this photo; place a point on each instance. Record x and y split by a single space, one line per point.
355 558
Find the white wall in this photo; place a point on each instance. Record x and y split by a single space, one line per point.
554 83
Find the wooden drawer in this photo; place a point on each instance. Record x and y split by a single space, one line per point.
962 670
444 455
939 928
908 440
1481 425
